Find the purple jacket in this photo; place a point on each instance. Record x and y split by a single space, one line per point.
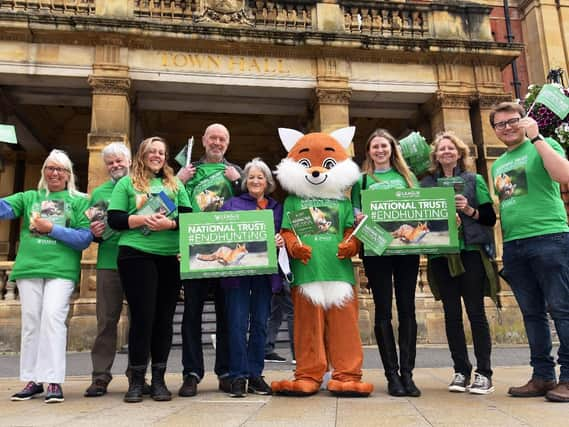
245 202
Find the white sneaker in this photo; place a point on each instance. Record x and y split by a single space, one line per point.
481 385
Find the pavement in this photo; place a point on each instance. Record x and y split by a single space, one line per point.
436 406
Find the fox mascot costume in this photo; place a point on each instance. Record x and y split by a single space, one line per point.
316 174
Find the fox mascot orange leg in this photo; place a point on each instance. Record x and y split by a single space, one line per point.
316 173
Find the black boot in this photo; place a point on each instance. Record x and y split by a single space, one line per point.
407 353
388 353
158 389
135 384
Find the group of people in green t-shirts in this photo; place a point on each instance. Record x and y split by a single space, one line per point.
138 256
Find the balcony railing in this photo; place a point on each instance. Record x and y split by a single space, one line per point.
70 7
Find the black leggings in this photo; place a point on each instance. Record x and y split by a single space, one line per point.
469 286
387 272
151 285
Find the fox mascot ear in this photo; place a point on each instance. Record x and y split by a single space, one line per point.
289 137
344 136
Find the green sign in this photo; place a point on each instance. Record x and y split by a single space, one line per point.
374 237
553 98
416 152
455 182
302 222
227 243
8 134
421 220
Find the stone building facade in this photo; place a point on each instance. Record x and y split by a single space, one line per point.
79 74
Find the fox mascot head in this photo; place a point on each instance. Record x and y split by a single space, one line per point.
317 164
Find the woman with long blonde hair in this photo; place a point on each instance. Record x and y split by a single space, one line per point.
384 168
147 262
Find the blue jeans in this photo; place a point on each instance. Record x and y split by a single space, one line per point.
248 307
537 270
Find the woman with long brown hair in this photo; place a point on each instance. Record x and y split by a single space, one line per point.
147 262
384 168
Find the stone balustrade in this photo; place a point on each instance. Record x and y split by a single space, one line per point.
71 7
385 19
7 288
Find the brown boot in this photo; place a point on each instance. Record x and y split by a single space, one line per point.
559 393
535 387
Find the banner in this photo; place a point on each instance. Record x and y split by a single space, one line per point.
227 243
421 220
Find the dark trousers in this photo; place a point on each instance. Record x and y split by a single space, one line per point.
470 287
195 294
386 273
281 307
151 285
248 307
109 306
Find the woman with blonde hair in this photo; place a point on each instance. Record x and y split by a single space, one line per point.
384 168
147 262
468 275
54 232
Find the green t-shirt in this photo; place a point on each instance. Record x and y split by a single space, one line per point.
125 197
381 180
108 248
40 256
530 202
324 266
209 188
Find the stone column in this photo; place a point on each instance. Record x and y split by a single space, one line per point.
110 122
331 95
450 111
544 26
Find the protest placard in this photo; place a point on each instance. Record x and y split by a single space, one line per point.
227 243
421 220
374 237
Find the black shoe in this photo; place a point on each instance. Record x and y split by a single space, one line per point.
395 386
97 388
158 390
54 394
225 384
409 385
28 392
258 385
135 384
274 357
238 387
189 387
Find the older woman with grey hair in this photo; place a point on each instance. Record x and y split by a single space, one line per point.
248 299
54 231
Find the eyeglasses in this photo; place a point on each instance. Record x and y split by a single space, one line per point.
512 122
52 169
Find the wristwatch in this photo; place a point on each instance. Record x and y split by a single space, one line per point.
539 137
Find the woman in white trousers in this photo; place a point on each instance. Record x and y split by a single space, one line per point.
54 231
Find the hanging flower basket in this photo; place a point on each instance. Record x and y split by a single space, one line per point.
549 124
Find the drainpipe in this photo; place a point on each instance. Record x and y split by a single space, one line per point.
510 37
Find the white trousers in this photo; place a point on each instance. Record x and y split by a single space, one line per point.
45 305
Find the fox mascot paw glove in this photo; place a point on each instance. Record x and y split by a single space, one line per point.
348 248
296 249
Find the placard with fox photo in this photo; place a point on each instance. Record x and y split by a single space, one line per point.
421 220
227 243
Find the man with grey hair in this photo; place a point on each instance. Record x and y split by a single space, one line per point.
117 159
209 182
